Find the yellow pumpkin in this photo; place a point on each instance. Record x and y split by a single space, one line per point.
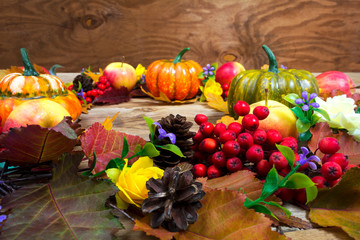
15 88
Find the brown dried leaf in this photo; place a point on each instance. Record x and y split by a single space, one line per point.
348 145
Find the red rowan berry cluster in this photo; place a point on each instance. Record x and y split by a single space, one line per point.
99 88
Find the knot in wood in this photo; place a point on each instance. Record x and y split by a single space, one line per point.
91 21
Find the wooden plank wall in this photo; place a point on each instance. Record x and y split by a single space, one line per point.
317 35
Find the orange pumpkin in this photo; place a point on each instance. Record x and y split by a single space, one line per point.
16 88
177 79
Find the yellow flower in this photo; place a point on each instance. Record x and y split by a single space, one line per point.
342 114
140 70
131 181
212 87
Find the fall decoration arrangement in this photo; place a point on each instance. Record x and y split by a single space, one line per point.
285 137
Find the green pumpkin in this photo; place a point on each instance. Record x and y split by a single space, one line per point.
250 86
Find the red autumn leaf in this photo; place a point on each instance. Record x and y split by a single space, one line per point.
348 145
339 206
107 145
222 216
113 96
35 144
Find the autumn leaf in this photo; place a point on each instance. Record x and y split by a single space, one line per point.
339 206
222 216
217 102
113 96
164 98
35 144
108 122
348 145
107 145
227 120
68 207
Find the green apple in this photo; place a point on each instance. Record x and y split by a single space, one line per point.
120 74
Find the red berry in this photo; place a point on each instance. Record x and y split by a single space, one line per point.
226 93
207 129
255 153
236 127
88 100
285 194
84 93
319 181
231 148
213 172
273 137
101 86
218 159
261 112
329 145
225 87
199 157
200 170
219 129
200 118
302 167
208 145
300 195
70 87
325 158
107 84
198 137
263 167
331 171
100 92
103 79
94 93
334 182
259 136
351 166
340 158
285 171
228 135
290 138
234 164
245 140
241 108
89 93
278 160
250 122
289 143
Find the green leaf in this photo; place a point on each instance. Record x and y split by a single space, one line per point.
137 148
288 153
201 75
271 181
215 65
151 126
70 206
286 211
311 193
149 150
299 114
89 172
323 113
314 119
111 164
301 126
172 148
262 209
125 149
299 180
304 137
291 98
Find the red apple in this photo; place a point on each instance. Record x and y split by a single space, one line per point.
334 80
226 72
43 112
120 74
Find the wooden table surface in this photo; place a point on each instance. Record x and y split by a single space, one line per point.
130 120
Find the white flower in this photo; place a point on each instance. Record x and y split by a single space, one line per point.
342 114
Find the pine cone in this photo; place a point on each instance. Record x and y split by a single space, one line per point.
86 83
173 200
181 128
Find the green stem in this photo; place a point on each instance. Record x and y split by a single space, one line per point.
281 184
29 69
273 67
179 56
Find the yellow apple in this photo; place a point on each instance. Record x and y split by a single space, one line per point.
43 112
280 118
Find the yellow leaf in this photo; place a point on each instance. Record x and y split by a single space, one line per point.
217 102
108 122
164 98
140 70
95 77
227 120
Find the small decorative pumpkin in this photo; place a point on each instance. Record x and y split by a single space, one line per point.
16 88
250 85
177 79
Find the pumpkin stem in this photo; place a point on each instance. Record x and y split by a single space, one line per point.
29 69
179 56
273 67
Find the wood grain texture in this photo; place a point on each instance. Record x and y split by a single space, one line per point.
317 35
